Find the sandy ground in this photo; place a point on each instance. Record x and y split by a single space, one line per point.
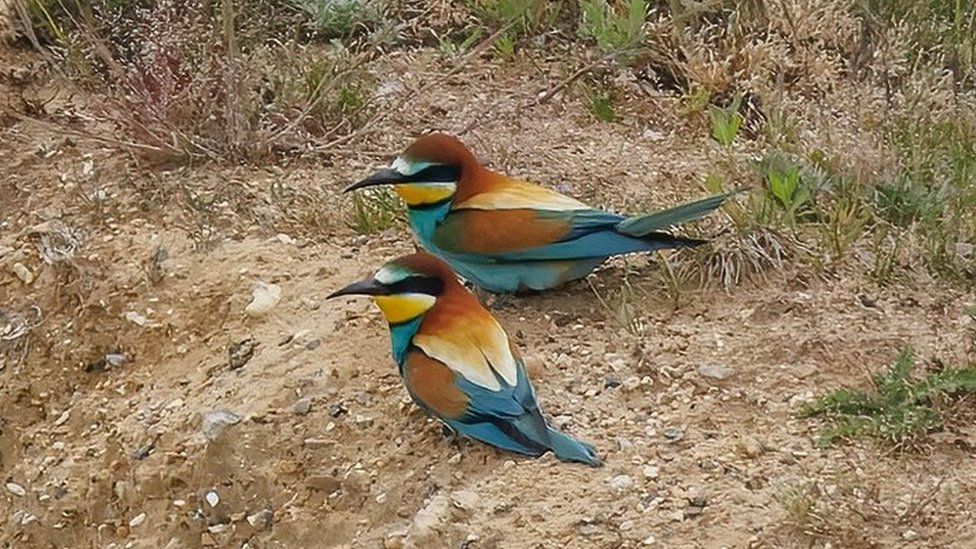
110 431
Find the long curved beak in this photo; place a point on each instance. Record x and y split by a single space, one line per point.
386 176
363 287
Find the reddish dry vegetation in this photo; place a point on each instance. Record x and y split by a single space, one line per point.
141 406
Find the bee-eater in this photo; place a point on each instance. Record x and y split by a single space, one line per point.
457 362
506 235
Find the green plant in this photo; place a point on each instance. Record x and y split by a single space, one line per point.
844 215
901 409
599 101
518 17
934 192
726 122
374 210
616 26
338 18
904 202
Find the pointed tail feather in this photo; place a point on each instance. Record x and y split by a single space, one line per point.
570 449
670 241
642 225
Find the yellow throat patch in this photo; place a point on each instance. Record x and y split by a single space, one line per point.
402 308
418 194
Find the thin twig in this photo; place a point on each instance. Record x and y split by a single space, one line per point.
572 78
367 126
85 134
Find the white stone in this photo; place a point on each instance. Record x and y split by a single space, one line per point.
212 498
621 483
137 520
264 297
16 489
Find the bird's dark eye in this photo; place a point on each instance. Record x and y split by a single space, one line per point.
438 173
418 285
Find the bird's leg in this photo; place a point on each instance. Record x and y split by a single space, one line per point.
452 437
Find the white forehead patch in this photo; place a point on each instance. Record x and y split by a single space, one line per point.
390 274
408 168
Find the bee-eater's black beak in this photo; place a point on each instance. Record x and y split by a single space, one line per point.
383 177
363 287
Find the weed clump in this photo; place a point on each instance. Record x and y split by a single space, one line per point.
900 410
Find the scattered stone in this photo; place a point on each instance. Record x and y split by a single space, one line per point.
212 498
23 273
652 135
751 447
337 410
621 483
215 421
649 540
115 359
217 528
137 520
909 535
302 406
323 483
674 434
692 511
313 344
16 489
651 472
612 382
588 528
465 499
264 297
394 541
715 371
964 250
136 318
319 443
143 452
63 418
239 354
805 370
427 520
261 520
631 383
698 501
363 421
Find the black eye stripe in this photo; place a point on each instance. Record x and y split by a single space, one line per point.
439 173
418 285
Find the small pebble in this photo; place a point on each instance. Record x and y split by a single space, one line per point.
264 297
714 371
674 433
214 422
261 520
23 273
137 520
621 483
631 383
16 489
212 498
302 406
